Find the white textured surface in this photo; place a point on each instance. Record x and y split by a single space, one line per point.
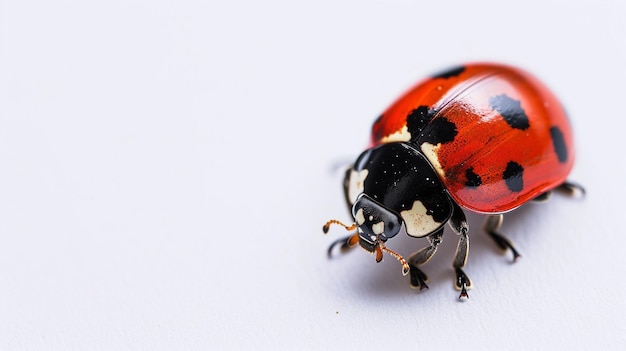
164 175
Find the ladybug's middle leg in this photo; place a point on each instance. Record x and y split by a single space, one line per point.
418 278
491 226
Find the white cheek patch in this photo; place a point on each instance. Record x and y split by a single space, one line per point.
359 218
401 135
355 188
430 151
418 222
378 228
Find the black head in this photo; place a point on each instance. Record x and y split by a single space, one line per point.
375 223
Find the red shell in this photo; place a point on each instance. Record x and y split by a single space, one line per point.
473 166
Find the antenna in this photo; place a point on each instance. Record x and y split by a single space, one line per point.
334 221
379 256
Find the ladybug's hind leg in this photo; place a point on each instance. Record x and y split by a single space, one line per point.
571 188
418 278
491 226
543 197
568 188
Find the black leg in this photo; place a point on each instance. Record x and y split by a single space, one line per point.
418 278
459 225
572 188
346 243
491 227
543 197
569 188
462 283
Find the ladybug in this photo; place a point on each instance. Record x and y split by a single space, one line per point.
482 137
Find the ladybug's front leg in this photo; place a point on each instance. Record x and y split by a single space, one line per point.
462 281
345 243
418 278
459 225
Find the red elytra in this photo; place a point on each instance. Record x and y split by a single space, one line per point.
504 120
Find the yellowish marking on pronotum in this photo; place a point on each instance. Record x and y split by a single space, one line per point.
430 151
418 222
355 187
401 135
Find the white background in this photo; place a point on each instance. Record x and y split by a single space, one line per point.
166 167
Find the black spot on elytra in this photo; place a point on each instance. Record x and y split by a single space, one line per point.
439 130
417 119
423 127
511 110
453 72
513 176
559 144
473 179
